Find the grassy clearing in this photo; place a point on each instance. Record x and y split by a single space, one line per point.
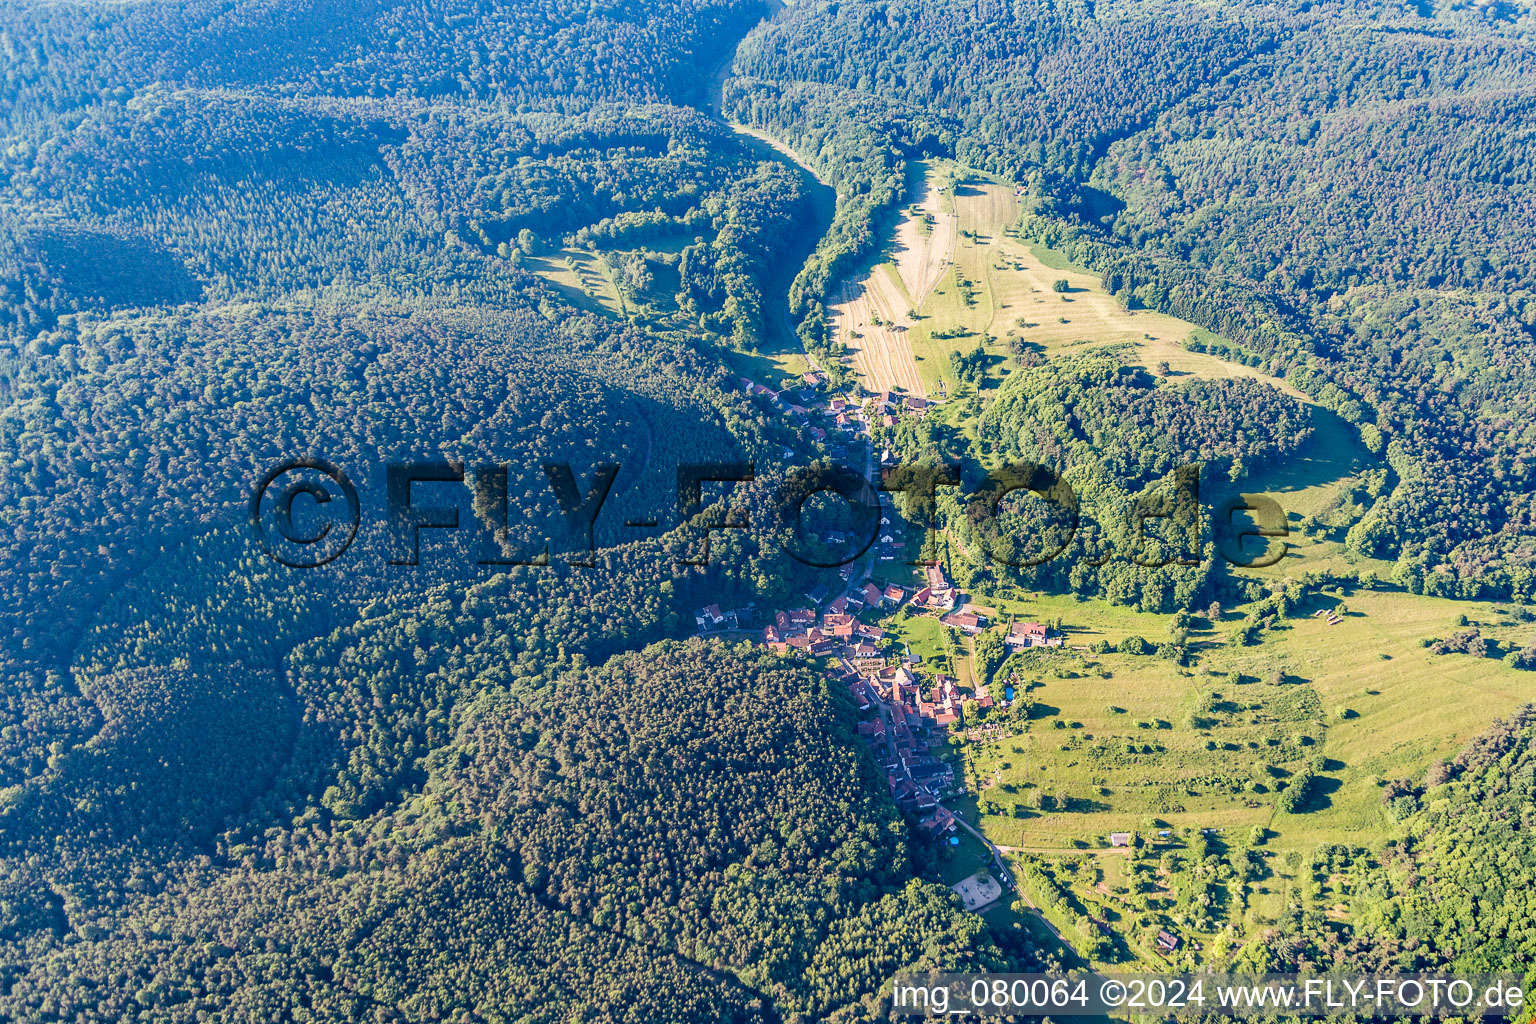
924 635
1323 491
952 259
768 368
870 319
580 278
1408 707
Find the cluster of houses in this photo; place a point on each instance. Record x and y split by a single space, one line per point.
835 632
887 408
913 716
825 415
937 592
966 621
820 416
900 738
1020 635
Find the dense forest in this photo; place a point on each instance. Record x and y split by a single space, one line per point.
1097 478
229 789
1340 188
563 843
372 791
236 233
1134 451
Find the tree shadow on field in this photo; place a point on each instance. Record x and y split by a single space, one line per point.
1320 793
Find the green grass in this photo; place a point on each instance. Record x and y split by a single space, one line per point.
580 278
1053 260
924 634
768 368
1412 708
962 861
1408 708
1085 621
1010 292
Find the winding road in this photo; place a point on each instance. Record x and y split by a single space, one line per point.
823 201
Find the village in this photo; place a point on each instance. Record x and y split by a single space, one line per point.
910 709
896 631
907 709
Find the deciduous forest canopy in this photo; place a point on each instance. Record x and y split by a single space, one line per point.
539 232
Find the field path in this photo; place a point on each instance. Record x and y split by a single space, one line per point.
924 246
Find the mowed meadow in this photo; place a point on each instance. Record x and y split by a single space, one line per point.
952 260
1370 698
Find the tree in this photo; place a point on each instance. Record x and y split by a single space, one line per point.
1134 645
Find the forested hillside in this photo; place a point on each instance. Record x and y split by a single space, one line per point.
1338 188
497 785
564 844
1452 888
1118 439
556 55
231 236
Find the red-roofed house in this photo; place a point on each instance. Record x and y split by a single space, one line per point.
1031 634
966 622
711 617
839 625
937 823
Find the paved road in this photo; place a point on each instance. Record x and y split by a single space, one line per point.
1002 867
722 72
